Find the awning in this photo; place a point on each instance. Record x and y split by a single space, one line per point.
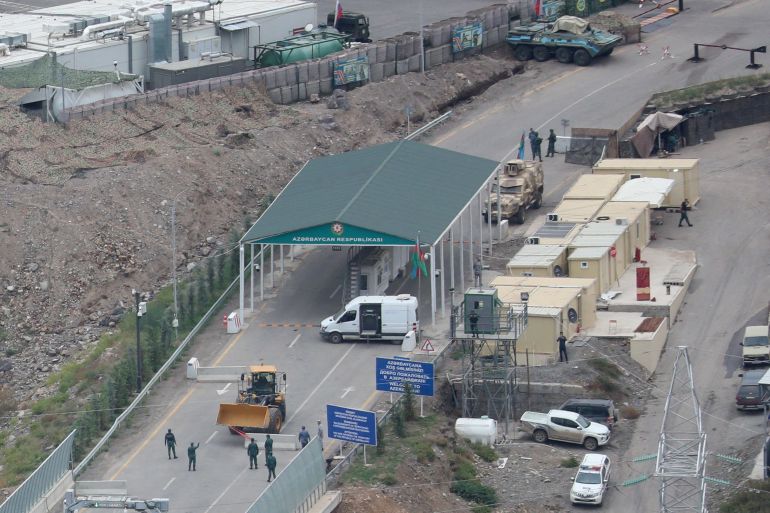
239 25
652 190
644 139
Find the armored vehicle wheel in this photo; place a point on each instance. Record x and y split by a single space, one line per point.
521 215
582 58
276 420
522 53
541 53
564 55
538 200
610 52
540 436
335 338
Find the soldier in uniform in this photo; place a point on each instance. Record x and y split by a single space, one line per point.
551 144
268 447
252 450
170 441
683 213
191 456
271 463
473 318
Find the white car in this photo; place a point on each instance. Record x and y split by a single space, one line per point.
591 481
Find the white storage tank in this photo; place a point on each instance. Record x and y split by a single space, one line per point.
480 431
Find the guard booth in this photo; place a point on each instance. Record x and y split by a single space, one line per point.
486 304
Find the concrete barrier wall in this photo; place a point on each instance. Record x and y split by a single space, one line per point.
280 442
221 374
647 347
397 55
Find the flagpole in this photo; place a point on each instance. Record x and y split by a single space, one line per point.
419 271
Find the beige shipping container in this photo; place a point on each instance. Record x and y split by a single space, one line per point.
577 211
591 263
684 172
623 245
636 214
538 260
595 186
615 266
586 297
554 234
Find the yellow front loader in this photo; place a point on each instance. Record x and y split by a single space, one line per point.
260 406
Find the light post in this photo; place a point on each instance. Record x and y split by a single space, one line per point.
141 308
175 321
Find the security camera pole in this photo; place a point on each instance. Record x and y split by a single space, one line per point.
138 345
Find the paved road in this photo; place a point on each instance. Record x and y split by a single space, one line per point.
319 373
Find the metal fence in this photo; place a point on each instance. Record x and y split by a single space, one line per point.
166 366
42 480
298 486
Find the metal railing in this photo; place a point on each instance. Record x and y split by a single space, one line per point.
42 480
417 133
166 366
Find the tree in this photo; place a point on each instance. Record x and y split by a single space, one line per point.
211 281
408 401
399 425
380 439
219 264
201 293
191 310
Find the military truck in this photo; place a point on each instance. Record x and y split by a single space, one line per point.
260 405
569 39
352 23
520 188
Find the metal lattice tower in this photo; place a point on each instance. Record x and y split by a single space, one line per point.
681 462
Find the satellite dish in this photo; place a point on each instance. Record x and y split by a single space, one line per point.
572 315
308 27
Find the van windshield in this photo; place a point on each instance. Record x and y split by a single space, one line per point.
755 341
339 314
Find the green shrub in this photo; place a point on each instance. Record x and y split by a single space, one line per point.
474 491
424 452
408 403
570 462
484 452
751 499
389 480
464 470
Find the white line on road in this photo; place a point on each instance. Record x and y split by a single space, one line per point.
310 395
226 490
295 340
335 291
212 436
346 392
169 483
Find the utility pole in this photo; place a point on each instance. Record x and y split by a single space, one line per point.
141 307
175 321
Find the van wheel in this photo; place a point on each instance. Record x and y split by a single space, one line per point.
335 338
590 443
540 436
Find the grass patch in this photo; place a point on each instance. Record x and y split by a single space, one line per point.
702 90
629 412
475 491
570 462
605 368
484 452
751 499
423 450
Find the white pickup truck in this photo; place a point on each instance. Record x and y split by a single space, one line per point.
565 426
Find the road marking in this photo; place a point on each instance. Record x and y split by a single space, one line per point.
223 391
295 340
170 414
293 325
169 483
335 291
346 392
331 371
209 438
225 490
152 435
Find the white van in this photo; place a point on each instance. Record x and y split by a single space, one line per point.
372 318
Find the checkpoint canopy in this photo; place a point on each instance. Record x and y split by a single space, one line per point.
383 195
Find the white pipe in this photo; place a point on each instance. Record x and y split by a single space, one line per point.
91 30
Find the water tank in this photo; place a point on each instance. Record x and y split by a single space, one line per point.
480 431
300 49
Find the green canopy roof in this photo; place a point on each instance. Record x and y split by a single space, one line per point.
379 196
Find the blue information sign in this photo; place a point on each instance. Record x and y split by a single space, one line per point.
351 425
393 373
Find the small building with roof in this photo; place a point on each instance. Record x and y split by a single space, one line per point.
684 172
593 187
538 260
633 214
576 210
591 262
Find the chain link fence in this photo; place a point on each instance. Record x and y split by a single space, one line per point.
42 480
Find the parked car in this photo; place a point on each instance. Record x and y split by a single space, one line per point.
755 346
565 426
749 395
602 411
591 481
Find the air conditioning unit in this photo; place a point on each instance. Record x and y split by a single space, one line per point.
621 221
533 240
552 217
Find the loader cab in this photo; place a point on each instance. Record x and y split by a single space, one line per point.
262 380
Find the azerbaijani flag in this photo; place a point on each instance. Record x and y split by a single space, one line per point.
337 13
418 261
521 147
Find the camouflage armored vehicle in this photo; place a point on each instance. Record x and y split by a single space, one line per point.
568 39
520 188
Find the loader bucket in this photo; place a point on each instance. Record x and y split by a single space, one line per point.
244 416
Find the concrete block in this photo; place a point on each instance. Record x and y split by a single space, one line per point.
390 50
434 57
325 68
326 86
376 72
302 72
371 53
492 38
389 68
313 87
291 74
313 70
446 54
302 92
382 52
414 63
402 66
274 94
401 51
286 95
280 77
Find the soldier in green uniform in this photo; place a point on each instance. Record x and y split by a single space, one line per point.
170 441
252 450
268 447
191 456
271 463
